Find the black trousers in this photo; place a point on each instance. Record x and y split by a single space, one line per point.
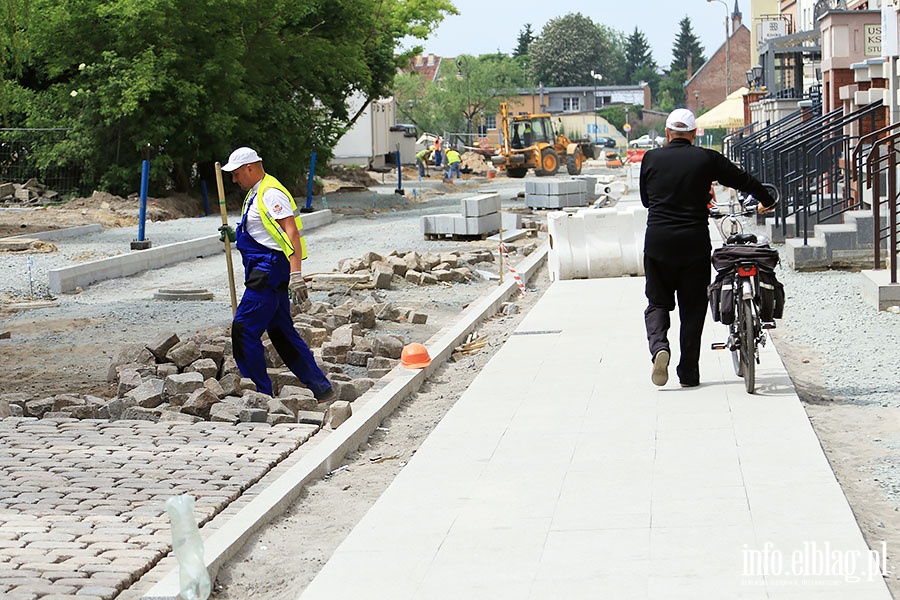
686 282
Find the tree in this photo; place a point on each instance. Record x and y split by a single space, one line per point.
570 47
686 45
686 51
185 81
523 42
473 87
638 57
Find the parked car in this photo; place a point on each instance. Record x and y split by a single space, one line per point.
605 142
646 142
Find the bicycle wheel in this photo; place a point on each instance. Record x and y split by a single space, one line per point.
736 353
748 345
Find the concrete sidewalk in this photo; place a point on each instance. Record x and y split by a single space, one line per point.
562 472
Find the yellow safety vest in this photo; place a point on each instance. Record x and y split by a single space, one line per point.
278 234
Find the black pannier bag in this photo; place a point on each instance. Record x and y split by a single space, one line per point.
726 257
721 298
721 292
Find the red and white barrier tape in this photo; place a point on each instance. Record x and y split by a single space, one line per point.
505 257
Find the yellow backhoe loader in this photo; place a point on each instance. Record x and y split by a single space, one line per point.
531 142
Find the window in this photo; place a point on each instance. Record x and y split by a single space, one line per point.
490 121
571 104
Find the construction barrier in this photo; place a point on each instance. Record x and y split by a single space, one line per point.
505 258
634 156
594 243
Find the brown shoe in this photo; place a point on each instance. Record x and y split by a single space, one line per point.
660 374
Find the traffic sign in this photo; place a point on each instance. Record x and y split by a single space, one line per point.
700 131
626 127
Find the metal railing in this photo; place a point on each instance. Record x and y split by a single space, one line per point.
746 151
819 186
19 152
880 170
811 160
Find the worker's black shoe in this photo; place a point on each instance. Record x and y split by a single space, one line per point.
768 325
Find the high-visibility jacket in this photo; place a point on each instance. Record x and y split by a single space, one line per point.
423 154
278 234
453 157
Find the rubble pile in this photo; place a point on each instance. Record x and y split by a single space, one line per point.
197 379
30 193
382 272
472 162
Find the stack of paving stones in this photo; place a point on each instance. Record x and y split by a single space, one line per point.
479 218
557 192
30 193
82 506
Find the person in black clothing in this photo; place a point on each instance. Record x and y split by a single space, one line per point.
675 182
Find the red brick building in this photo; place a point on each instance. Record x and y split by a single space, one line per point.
707 87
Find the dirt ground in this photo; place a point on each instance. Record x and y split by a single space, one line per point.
287 554
858 441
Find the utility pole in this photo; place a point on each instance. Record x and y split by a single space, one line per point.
460 62
727 49
597 78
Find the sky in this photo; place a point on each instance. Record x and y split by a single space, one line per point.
485 26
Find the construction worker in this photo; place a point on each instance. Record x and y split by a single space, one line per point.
422 162
272 249
453 162
528 136
437 156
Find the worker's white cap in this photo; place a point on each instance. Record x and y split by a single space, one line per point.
681 119
240 157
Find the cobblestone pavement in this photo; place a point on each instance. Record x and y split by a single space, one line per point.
82 503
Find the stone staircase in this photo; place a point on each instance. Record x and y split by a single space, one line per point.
848 244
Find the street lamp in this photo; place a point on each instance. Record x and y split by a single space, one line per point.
597 78
727 48
460 62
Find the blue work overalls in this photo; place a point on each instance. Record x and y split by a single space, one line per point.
265 306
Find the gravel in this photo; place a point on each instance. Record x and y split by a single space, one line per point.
825 316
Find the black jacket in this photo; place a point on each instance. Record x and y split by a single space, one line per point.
675 183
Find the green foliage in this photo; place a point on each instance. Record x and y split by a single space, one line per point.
462 94
686 44
523 42
671 90
186 81
638 57
617 114
570 47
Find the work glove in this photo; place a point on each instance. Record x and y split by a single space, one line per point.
297 289
225 230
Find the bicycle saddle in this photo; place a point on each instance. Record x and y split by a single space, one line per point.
742 238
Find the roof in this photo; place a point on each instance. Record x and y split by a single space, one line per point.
719 49
428 66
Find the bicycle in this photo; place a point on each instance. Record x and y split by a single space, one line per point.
745 295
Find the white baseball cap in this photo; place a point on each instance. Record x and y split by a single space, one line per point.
240 157
681 119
